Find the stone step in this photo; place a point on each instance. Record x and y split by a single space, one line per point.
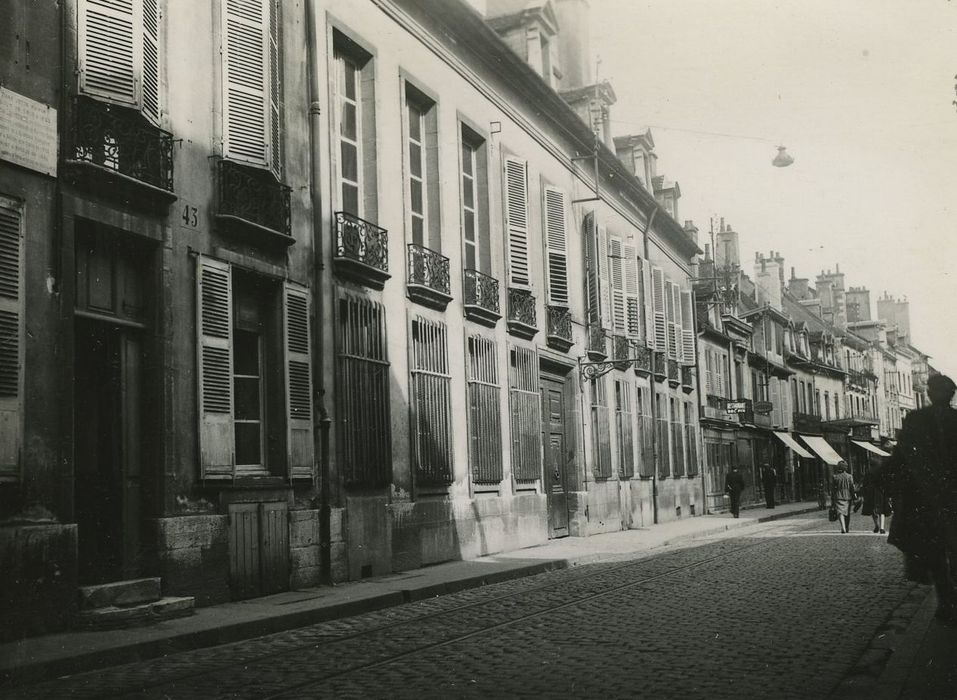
120 593
121 617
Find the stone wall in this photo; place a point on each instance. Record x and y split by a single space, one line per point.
193 557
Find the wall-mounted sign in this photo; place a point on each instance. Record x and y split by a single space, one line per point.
28 132
733 407
763 407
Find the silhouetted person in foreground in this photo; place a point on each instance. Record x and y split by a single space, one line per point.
921 476
769 479
733 486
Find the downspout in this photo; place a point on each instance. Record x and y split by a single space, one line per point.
318 288
654 393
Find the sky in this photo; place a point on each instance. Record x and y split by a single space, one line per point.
859 91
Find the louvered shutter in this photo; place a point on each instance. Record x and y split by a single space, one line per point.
669 306
275 87
632 304
658 309
676 322
590 234
604 278
215 330
300 444
709 372
11 351
647 303
516 215
108 50
775 395
687 329
619 319
150 87
555 244
245 81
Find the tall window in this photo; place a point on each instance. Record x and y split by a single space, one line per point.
364 433
354 123
677 438
691 439
421 154
350 162
664 456
623 430
600 430
485 415
646 463
827 406
525 404
431 403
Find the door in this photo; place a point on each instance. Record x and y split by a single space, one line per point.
554 442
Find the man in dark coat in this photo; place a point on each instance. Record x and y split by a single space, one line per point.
769 479
733 486
921 476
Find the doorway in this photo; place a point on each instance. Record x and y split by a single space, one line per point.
555 444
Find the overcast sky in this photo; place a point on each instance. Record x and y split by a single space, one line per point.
859 91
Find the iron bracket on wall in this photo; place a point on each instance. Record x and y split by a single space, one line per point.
590 371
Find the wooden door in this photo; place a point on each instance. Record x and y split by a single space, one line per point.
131 361
554 442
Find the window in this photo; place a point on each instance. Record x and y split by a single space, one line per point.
600 430
475 223
252 89
431 403
646 463
837 407
11 334
691 440
354 128
255 375
688 339
119 53
596 272
677 437
664 458
422 165
485 415
516 221
623 427
525 403
555 246
827 406
817 402
364 433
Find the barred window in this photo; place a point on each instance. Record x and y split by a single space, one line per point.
677 438
646 463
525 405
691 440
626 445
600 430
664 451
431 403
362 393
485 420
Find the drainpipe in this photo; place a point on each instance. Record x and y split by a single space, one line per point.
654 393
318 288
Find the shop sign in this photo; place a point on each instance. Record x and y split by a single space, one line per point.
28 132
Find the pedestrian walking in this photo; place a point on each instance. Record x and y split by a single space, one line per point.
921 476
769 479
842 495
733 486
876 503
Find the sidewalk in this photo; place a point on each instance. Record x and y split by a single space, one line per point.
38 658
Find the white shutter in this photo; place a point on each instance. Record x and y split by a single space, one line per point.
619 313
709 372
151 24
555 245
214 327
11 333
516 221
687 330
108 47
300 447
647 303
677 322
658 309
275 87
669 306
632 303
245 81
590 234
604 278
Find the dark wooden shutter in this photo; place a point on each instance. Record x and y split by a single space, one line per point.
151 65
688 338
11 350
590 235
275 87
658 307
245 80
632 301
107 50
525 404
300 444
555 244
619 306
516 215
215 330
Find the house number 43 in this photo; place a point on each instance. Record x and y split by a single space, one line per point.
190 216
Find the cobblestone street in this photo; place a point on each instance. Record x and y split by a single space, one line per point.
788 610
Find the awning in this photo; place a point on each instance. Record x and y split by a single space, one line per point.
793 444
871 448
822 449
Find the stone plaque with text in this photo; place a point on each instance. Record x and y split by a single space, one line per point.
28 132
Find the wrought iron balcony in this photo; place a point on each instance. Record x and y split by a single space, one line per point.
522 318
620 350
362 250
660 366
253 204
857 379
428 277
687 378
116 150
597 343
643 362
559 328
674 373
481 298
715 408
806 423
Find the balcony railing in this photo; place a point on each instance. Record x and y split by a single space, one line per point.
620 350
660 366
362 250
643 359
127 153
522 319
806 423
428 277
857 379
687 378
254 200
714 408
481 298
559 330
597 343
674 373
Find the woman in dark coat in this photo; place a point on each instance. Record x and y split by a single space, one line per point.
842 495
876 502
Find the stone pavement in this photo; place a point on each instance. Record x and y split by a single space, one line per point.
725 613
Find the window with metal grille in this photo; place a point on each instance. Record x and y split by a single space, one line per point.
691 439
646 462
431 403
677 438
525 406
623 426
664 450
600 430
364 433
485 416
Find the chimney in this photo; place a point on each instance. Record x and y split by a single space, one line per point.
767 280
726 247
574 49
858 302
691 230
798 287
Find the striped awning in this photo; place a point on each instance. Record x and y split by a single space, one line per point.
871 448
822 449
793 444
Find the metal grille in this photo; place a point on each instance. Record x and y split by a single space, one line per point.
690 439
601 430
485 421
362 393
664 456
525 404
431 403
646 463
677 438
626 444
